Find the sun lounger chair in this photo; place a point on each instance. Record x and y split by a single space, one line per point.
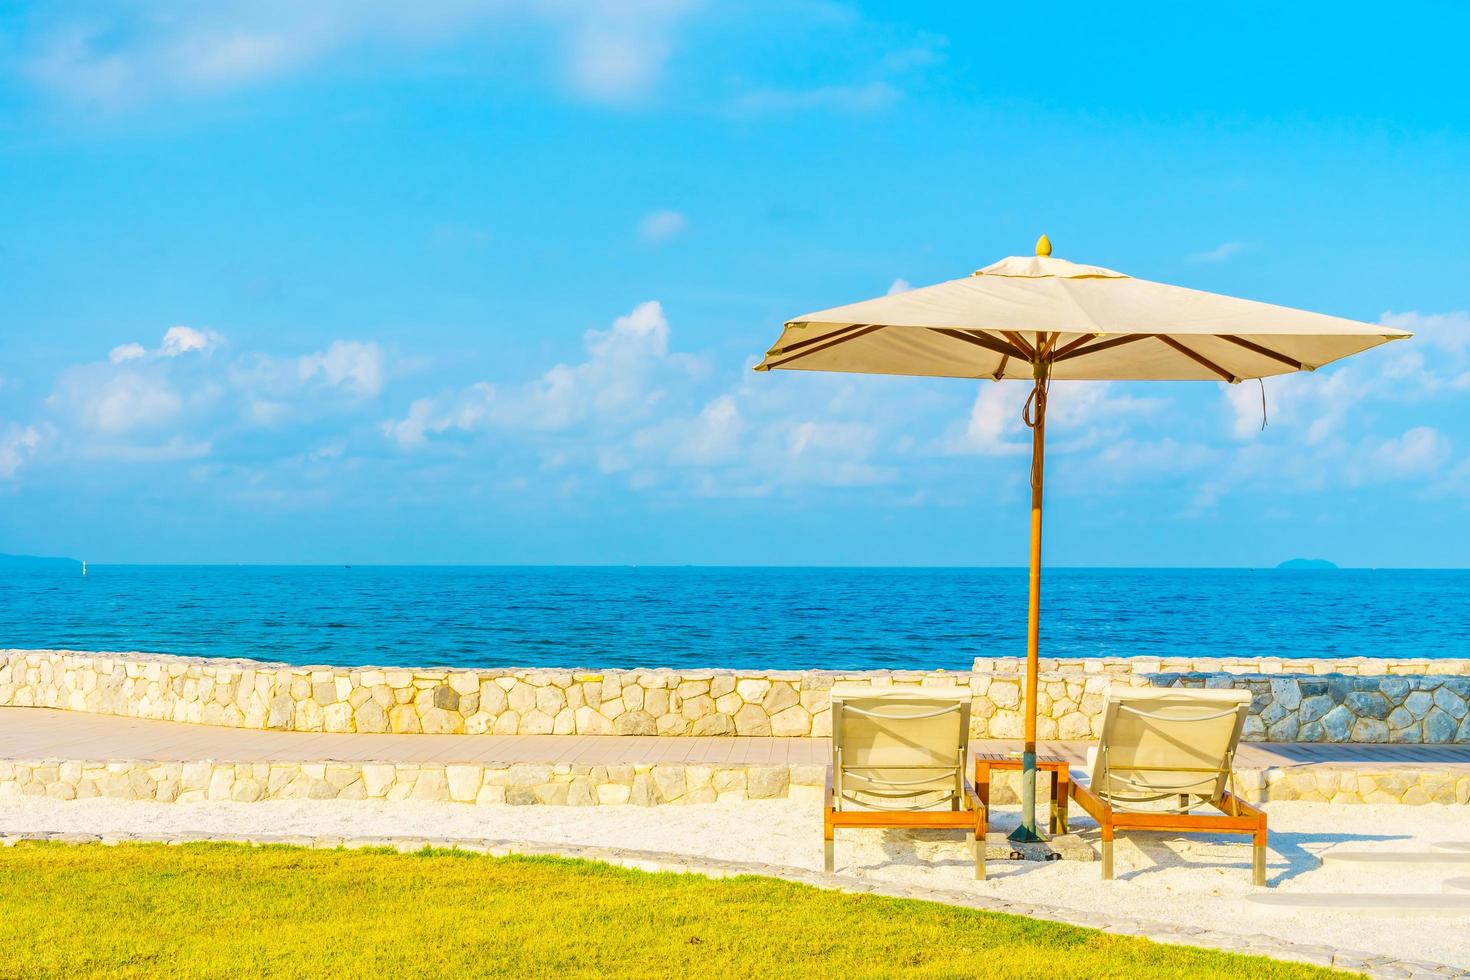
1164 752
898 760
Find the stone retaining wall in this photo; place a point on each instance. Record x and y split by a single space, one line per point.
1391 706
640 785
1355 666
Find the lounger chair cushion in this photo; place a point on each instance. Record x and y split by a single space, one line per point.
1160 744
897 747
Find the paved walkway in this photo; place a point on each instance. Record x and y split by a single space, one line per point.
44 733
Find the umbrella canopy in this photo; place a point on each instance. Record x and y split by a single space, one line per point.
1097 324
1041 319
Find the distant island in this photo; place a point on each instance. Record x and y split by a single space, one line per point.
36 561
1307 564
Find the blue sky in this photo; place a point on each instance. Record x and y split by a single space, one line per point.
466 281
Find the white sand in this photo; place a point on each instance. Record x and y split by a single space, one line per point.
1194 881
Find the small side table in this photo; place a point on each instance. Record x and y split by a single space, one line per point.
985 762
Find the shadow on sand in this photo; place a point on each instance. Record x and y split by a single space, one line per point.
1291 854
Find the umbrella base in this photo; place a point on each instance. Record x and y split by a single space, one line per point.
1062 847
1025 835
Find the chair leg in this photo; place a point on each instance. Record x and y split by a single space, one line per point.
1107 858
976 843
829 831
1258 859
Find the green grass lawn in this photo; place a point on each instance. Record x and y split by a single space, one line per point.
230 910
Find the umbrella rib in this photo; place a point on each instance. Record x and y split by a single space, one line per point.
1265 352
981 339
1066 354
1020 342
841 331
1069 348
1198 358
1000 372
832 342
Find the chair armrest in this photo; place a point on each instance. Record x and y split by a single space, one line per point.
1095 806
982 812
1236 807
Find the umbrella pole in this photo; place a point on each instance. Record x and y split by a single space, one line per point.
1027 831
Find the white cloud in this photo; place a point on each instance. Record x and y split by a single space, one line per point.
660 226
17 444
1244 402
1436 359
119 54
619 381
232 57
170 403
183 340
350 364
995 424
264 411
126 352
712 437
633 408
176 342
1454 483
1417 453
862 98
1434 363
1127 460
715 435
898 286
1312 440
1078 414
1315 405
272 390
128 400
1220 253
826 452
617 61
1449 333
1074 405
430 416
174 449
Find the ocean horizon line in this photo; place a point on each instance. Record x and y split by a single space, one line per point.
758 566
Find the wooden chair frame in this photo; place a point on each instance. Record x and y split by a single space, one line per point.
1235 815
910 809
967 814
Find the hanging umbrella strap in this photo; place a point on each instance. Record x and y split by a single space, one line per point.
1035 406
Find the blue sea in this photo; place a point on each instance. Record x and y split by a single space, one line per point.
772 618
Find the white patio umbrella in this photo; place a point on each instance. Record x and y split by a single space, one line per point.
1039 319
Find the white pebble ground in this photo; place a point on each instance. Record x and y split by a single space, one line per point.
1199 881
